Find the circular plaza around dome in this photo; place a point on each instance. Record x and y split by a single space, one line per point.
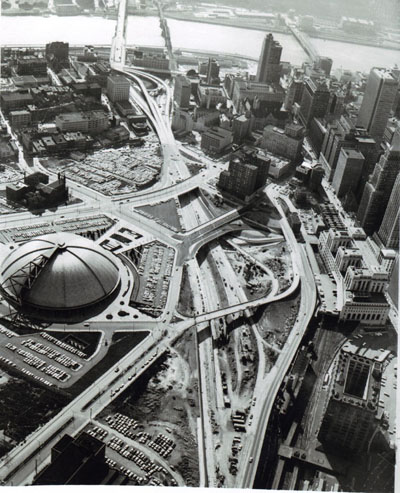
60 277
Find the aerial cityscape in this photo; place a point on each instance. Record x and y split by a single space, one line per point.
199 243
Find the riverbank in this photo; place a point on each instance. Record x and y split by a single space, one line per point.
355 41
262 25
243 23
205 37
235 22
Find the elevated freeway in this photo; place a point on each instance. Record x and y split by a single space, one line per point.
274 379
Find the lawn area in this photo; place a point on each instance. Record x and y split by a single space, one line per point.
185 303
165 211
25 406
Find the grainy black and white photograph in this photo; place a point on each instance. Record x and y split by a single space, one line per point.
199 244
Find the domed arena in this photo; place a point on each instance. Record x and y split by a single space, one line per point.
59 277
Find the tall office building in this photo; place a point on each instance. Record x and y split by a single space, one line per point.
378 189
389 230
348 171
314 102
378 101
324 63
350 411
182 91
269 65
240 179
118 88
343 134
294 93
212 70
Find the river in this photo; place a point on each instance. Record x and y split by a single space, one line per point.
80 30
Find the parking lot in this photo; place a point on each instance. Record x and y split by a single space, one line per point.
154 268
116 171
81 224
130 456
42 357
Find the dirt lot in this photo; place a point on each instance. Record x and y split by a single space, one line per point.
164 400
276 257
255 282
277 319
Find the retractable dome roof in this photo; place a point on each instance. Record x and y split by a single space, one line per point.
59 277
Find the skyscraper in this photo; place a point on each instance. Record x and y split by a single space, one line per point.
269 68
350 410
240 179
212 70
294 93
348 171
378 101
314 102
389 230
343 133
378 189
182 91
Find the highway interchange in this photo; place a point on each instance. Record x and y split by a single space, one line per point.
20 465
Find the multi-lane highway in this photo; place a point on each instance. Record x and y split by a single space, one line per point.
273 381
20 465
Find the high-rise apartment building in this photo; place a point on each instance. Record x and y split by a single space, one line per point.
379 187
269 67
118 88
182 91
389 230
314 101
348 171
378 101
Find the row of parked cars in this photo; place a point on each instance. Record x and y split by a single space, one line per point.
133 454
